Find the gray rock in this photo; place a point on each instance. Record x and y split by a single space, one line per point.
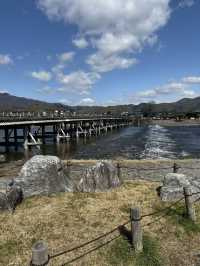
2 158
4 205
43 175
101 177
10 199
176 180
14 196
173 185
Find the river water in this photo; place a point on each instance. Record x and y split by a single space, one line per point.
150 142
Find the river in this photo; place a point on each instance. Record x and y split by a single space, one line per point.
150 142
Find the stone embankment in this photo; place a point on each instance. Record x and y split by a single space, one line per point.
152 170
44 175
174 123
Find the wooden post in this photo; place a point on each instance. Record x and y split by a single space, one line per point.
136 230
40 255
190 210
119 171
175 168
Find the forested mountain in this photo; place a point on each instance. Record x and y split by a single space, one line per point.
13 103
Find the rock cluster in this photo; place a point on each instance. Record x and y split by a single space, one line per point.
173 184
45 175
101 177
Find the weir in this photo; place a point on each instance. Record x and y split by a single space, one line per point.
34 133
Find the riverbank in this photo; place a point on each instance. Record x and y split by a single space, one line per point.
149 170
174 123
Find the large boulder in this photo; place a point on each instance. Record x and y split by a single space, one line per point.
173 184
101 177
43 175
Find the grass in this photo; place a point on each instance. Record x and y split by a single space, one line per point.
177 216
150 255
66 220
122 253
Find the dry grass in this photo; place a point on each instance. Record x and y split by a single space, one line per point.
68 219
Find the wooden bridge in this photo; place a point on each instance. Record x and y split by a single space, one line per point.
35 133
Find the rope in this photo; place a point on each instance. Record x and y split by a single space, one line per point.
146 169
116 228
156 220
162 210
169 207
90 251
87 243
189 168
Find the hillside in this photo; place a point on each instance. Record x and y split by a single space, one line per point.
13 103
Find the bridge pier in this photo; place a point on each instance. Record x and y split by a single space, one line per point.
57 130
43 134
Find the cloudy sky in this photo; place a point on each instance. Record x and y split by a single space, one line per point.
100 52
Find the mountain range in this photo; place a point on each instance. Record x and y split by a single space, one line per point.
10 102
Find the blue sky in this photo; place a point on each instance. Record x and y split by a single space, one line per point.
100 52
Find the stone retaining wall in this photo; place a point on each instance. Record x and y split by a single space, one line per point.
138 169
152 170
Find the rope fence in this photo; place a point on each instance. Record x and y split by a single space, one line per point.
41 257
175 167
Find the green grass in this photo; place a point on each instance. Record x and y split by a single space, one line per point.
7 247
150 255
122 253
178 217
119 253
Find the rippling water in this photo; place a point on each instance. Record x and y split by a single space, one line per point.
151 142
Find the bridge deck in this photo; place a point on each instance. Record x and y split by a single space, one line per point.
54 121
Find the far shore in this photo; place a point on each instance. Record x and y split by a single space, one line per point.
185 122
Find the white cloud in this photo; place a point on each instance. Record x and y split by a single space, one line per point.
189 93
65 101
3 91
191 80
186 3
66 57
46 90
77 82
167 89
80 43
5 59
101 63
42 75
87 101
115 28
165 93
63 60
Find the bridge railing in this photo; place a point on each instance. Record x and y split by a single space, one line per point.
55 117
